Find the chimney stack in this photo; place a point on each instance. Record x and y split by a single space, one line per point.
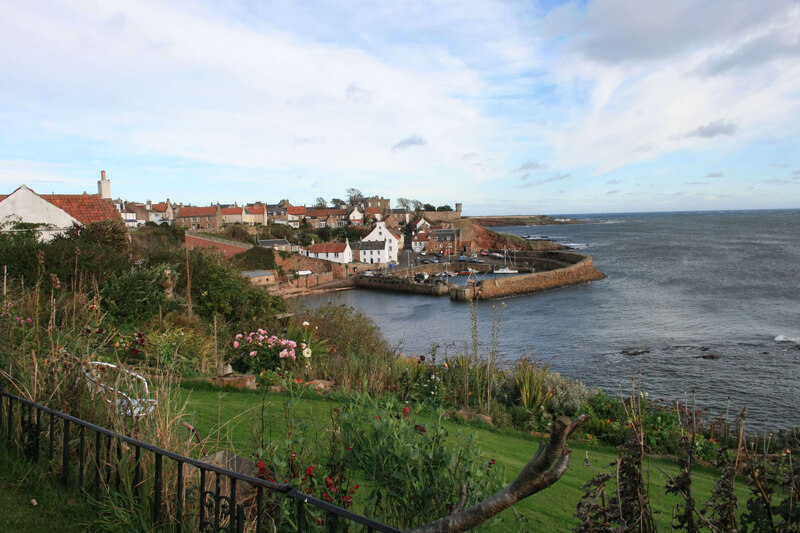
104 186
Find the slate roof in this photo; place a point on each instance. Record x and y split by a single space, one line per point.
269 243
372 245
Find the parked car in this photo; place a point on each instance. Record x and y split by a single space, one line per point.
425 261
462 258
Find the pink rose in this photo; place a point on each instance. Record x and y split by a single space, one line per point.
235 344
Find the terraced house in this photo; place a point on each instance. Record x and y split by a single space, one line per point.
199 217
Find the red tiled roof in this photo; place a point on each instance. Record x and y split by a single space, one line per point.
190 211
327 247
85 208
231 210
421 237
255 209
160 207
372 210
337 212
296 210
316 213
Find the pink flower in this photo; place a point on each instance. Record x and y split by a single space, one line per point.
302 346
239 336
253 353
235 344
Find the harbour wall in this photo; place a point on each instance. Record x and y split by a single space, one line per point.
391 283
573 269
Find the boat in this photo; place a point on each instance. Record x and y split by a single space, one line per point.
505 269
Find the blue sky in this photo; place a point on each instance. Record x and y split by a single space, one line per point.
508 107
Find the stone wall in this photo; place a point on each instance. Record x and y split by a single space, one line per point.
402 285
579 270
228 249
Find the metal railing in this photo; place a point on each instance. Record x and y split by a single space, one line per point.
90 458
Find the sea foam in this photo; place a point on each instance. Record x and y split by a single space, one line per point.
786 338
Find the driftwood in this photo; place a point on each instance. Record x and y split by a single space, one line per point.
546 467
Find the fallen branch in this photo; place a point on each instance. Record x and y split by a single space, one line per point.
546 467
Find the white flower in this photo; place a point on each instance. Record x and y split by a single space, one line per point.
307 353
306 324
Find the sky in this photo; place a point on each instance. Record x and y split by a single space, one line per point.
508 107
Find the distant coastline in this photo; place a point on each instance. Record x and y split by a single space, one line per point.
522 220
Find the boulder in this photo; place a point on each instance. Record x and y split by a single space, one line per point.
245 492
247 382
464 414
321 384
485 418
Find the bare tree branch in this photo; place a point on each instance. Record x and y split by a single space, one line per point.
546 467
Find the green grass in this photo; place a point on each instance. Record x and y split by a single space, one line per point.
21 482
227 418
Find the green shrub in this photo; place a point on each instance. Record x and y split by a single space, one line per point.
135 295
184 351
413 470
531 379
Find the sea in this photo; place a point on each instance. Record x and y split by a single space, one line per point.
699 301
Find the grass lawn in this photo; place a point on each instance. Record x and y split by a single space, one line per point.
21 482
226 418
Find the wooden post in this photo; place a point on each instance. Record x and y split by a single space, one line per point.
216 350
188 285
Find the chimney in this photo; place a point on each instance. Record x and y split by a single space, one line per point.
104 186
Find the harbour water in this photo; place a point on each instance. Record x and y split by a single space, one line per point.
694 300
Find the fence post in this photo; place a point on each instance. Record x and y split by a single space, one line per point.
301 516
157 491
180 497
65 456
81 453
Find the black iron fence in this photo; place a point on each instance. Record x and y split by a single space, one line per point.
202 497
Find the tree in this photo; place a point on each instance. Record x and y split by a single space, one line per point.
418 206
405 203
354 196
335 202
444 207
546 467
428 207
320 203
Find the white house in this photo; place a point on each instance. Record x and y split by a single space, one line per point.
338 252
419 242
381 234
356 217
421 224
55 213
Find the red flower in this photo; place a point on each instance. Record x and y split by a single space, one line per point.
406 410
310 470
